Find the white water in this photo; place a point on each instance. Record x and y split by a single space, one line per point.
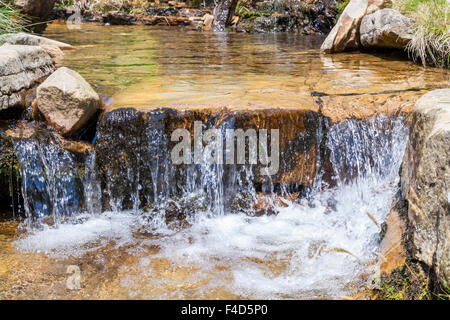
319 246
303 240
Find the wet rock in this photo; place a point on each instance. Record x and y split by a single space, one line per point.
38 11
52 47
67 101
386 28
118 18
345 34
9 172
223 14
425 181
21 68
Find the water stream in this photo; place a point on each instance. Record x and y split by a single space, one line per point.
137 226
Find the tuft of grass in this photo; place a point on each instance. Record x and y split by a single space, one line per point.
445 292
10 18
431 42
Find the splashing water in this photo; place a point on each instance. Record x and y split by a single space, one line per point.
319 246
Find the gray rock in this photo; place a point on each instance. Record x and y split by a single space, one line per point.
32 40
386 28
21 67
52 47
425 181
67 101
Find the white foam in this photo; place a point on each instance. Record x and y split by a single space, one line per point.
314 252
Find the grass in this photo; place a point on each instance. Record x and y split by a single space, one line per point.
445 294
10 18
431 41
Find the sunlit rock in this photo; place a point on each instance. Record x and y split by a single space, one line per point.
67 101
386 28
345 34
52 47
426 180
21 68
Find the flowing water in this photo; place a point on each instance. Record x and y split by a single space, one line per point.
312 242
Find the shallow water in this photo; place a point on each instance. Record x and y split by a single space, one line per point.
147 66
310 249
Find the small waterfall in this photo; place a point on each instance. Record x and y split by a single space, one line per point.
273 238
131 168
51 181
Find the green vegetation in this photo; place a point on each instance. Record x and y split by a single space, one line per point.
445 294
431 42
341 6
408 282
10 18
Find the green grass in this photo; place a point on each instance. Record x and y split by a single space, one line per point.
431 41
10 18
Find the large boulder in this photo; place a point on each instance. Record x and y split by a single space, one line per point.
345 34
21 68
52 47
38 12
425 182
67 101
386 28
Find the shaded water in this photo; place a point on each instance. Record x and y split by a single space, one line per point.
322 244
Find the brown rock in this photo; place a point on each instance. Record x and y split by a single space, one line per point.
67 101
37 10
208 21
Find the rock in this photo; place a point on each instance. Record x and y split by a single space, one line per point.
21 67
67 101
37 10
345 34
386 28
118 18
52 47
223 14
425 182
208 21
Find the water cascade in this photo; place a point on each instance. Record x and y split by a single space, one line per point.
307 231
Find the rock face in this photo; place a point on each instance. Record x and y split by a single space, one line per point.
386 28
37 10
67 101
53 48
21 67
345 34
426 181
223 14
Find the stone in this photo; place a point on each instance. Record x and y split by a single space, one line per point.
386 28
21 68
345 34
223 14
425 182
67 101
52 47
38 12
208 21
